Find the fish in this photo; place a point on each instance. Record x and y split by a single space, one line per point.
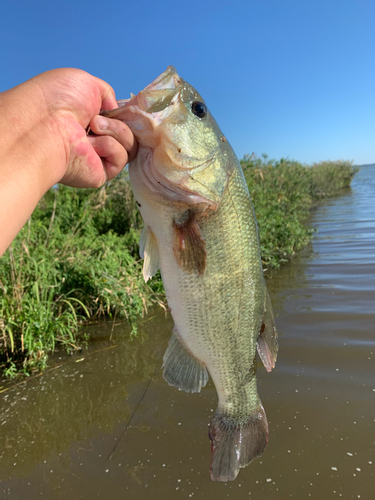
200 230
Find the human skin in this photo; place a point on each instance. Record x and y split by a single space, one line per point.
43 141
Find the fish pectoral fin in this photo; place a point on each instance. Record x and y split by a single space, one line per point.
148 250
267 343
189 247
181 369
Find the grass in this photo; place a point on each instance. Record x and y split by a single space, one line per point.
77 258
283 193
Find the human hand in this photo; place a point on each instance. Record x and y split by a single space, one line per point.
74 99
43 141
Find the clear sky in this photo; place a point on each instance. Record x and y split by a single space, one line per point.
289 78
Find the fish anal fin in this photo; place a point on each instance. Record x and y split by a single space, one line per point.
267 343
181 369
235 444
148 250
189 247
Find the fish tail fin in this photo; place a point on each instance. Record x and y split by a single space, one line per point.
235 444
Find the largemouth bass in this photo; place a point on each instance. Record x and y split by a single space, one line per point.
200 230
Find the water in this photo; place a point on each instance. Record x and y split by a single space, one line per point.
66 434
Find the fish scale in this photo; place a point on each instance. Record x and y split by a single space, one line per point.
232 298
201 231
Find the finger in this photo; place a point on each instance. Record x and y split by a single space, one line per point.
117 129
107 94
112 153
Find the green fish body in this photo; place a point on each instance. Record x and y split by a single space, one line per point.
201 232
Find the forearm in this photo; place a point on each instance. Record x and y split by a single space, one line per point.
32 157
43 141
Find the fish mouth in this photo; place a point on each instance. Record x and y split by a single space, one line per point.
169 79
154 101
160 94
158 99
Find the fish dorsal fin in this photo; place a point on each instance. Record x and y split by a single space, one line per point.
189 247
148 250
181 369
267 343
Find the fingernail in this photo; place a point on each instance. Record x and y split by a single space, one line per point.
102 122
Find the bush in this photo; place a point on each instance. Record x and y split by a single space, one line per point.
283 193
76 258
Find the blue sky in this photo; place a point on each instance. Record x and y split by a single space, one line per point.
289 78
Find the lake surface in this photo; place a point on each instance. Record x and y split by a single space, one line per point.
105 425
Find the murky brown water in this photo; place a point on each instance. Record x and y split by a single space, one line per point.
58 431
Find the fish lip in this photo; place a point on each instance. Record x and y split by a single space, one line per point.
169 79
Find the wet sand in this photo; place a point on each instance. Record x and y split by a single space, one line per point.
104 424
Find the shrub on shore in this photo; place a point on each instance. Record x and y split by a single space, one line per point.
77 258
283 193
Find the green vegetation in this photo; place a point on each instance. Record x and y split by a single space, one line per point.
77 258
283 193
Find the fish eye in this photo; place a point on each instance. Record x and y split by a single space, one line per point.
199 109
